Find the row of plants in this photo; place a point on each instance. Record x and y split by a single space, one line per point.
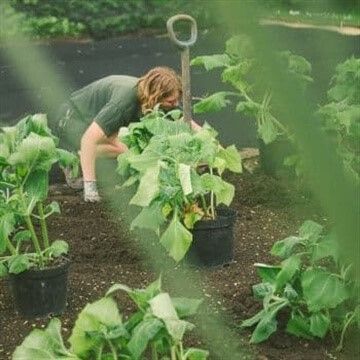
105 18
28 150
154 331
311 285
97 18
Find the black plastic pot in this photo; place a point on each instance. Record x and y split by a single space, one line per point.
41 292
213 240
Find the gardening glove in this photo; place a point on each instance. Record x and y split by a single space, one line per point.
90 192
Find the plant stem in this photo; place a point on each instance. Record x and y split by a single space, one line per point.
173 352
154 352
34 239
99 353
44 231
113 350
348 322
204 205
212 208
10 246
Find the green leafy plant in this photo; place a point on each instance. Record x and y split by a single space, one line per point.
154 331
27 152
162 164
310 283
239 67
341 116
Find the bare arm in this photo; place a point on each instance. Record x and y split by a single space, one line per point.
93 135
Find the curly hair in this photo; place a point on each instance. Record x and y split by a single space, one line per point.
157 84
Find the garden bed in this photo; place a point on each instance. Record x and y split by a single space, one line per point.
103 252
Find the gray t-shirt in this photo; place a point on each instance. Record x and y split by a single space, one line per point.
111 102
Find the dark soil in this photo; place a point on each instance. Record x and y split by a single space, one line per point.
103 252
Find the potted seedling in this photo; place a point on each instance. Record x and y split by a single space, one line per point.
253 95
177 202
154 331
37 267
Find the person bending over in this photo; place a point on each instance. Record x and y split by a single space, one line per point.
90 120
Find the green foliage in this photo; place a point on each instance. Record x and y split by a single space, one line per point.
100 18
162 164
311 282
159 324
239 69
340 118
27 152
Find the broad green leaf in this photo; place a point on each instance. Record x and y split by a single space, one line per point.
93 317
148 187
267 273
52 208
239 46
214 102
212 61
186 307
185 179
58 247
37 185
223 191
226 194
70 160
162 307
319 324
176 239
143 333
30 353
249 108
310 229
150 217
235 75
118 287
7 226
267 324
54 331
299 326
322 290
220 165
195 354
44 345
288 269
177 328
254 319
35 151
18 264
139 296
327 246
284 248
21 236
144 161
265 327
232 158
